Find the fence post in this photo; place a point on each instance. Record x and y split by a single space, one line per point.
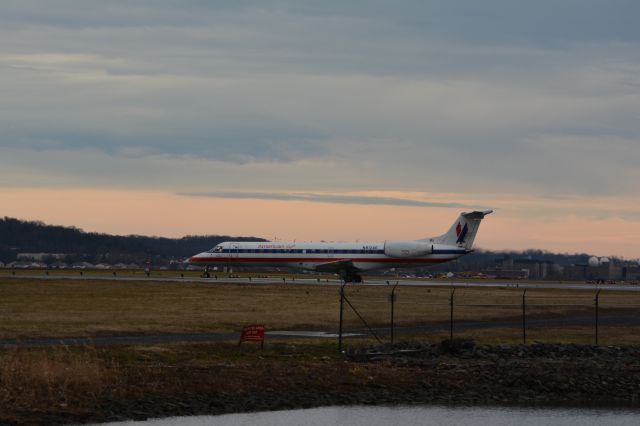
393 301
453 291
524 317
341 310
597 309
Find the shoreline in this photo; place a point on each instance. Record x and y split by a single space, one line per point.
137 383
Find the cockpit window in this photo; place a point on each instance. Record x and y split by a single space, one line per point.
216 249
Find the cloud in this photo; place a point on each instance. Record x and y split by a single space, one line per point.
327 198
511 97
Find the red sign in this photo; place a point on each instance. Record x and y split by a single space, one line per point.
252 333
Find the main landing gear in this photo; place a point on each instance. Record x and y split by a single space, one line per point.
350 278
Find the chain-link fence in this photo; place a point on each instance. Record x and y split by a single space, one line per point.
507 314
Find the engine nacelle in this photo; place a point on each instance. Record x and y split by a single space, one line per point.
407 248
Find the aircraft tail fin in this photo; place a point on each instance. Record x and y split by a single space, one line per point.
463 231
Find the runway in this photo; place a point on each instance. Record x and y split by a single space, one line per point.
559 285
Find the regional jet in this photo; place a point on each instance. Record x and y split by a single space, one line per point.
348 260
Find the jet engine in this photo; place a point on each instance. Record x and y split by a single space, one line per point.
407 248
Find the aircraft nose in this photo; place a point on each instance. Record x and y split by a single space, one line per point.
193 259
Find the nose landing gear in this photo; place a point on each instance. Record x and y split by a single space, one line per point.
206 273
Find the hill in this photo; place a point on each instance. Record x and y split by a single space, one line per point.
17 236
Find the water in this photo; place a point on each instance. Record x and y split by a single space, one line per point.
436 416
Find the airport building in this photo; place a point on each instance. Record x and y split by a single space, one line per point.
576 272
40 256
524 268
603 269
631 272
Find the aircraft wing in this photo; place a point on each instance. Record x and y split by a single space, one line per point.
337 267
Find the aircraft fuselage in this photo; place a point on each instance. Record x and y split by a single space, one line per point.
348 259
309 256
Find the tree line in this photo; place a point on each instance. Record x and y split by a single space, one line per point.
18 236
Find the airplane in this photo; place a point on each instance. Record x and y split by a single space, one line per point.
348 260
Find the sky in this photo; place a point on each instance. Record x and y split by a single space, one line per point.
332 120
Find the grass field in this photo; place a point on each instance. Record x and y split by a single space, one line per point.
57 308
77 384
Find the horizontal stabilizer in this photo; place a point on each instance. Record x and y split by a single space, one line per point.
477 214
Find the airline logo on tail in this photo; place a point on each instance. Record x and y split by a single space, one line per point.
461 232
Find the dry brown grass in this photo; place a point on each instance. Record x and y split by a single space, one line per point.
66 308
32 380
30 308
73 385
